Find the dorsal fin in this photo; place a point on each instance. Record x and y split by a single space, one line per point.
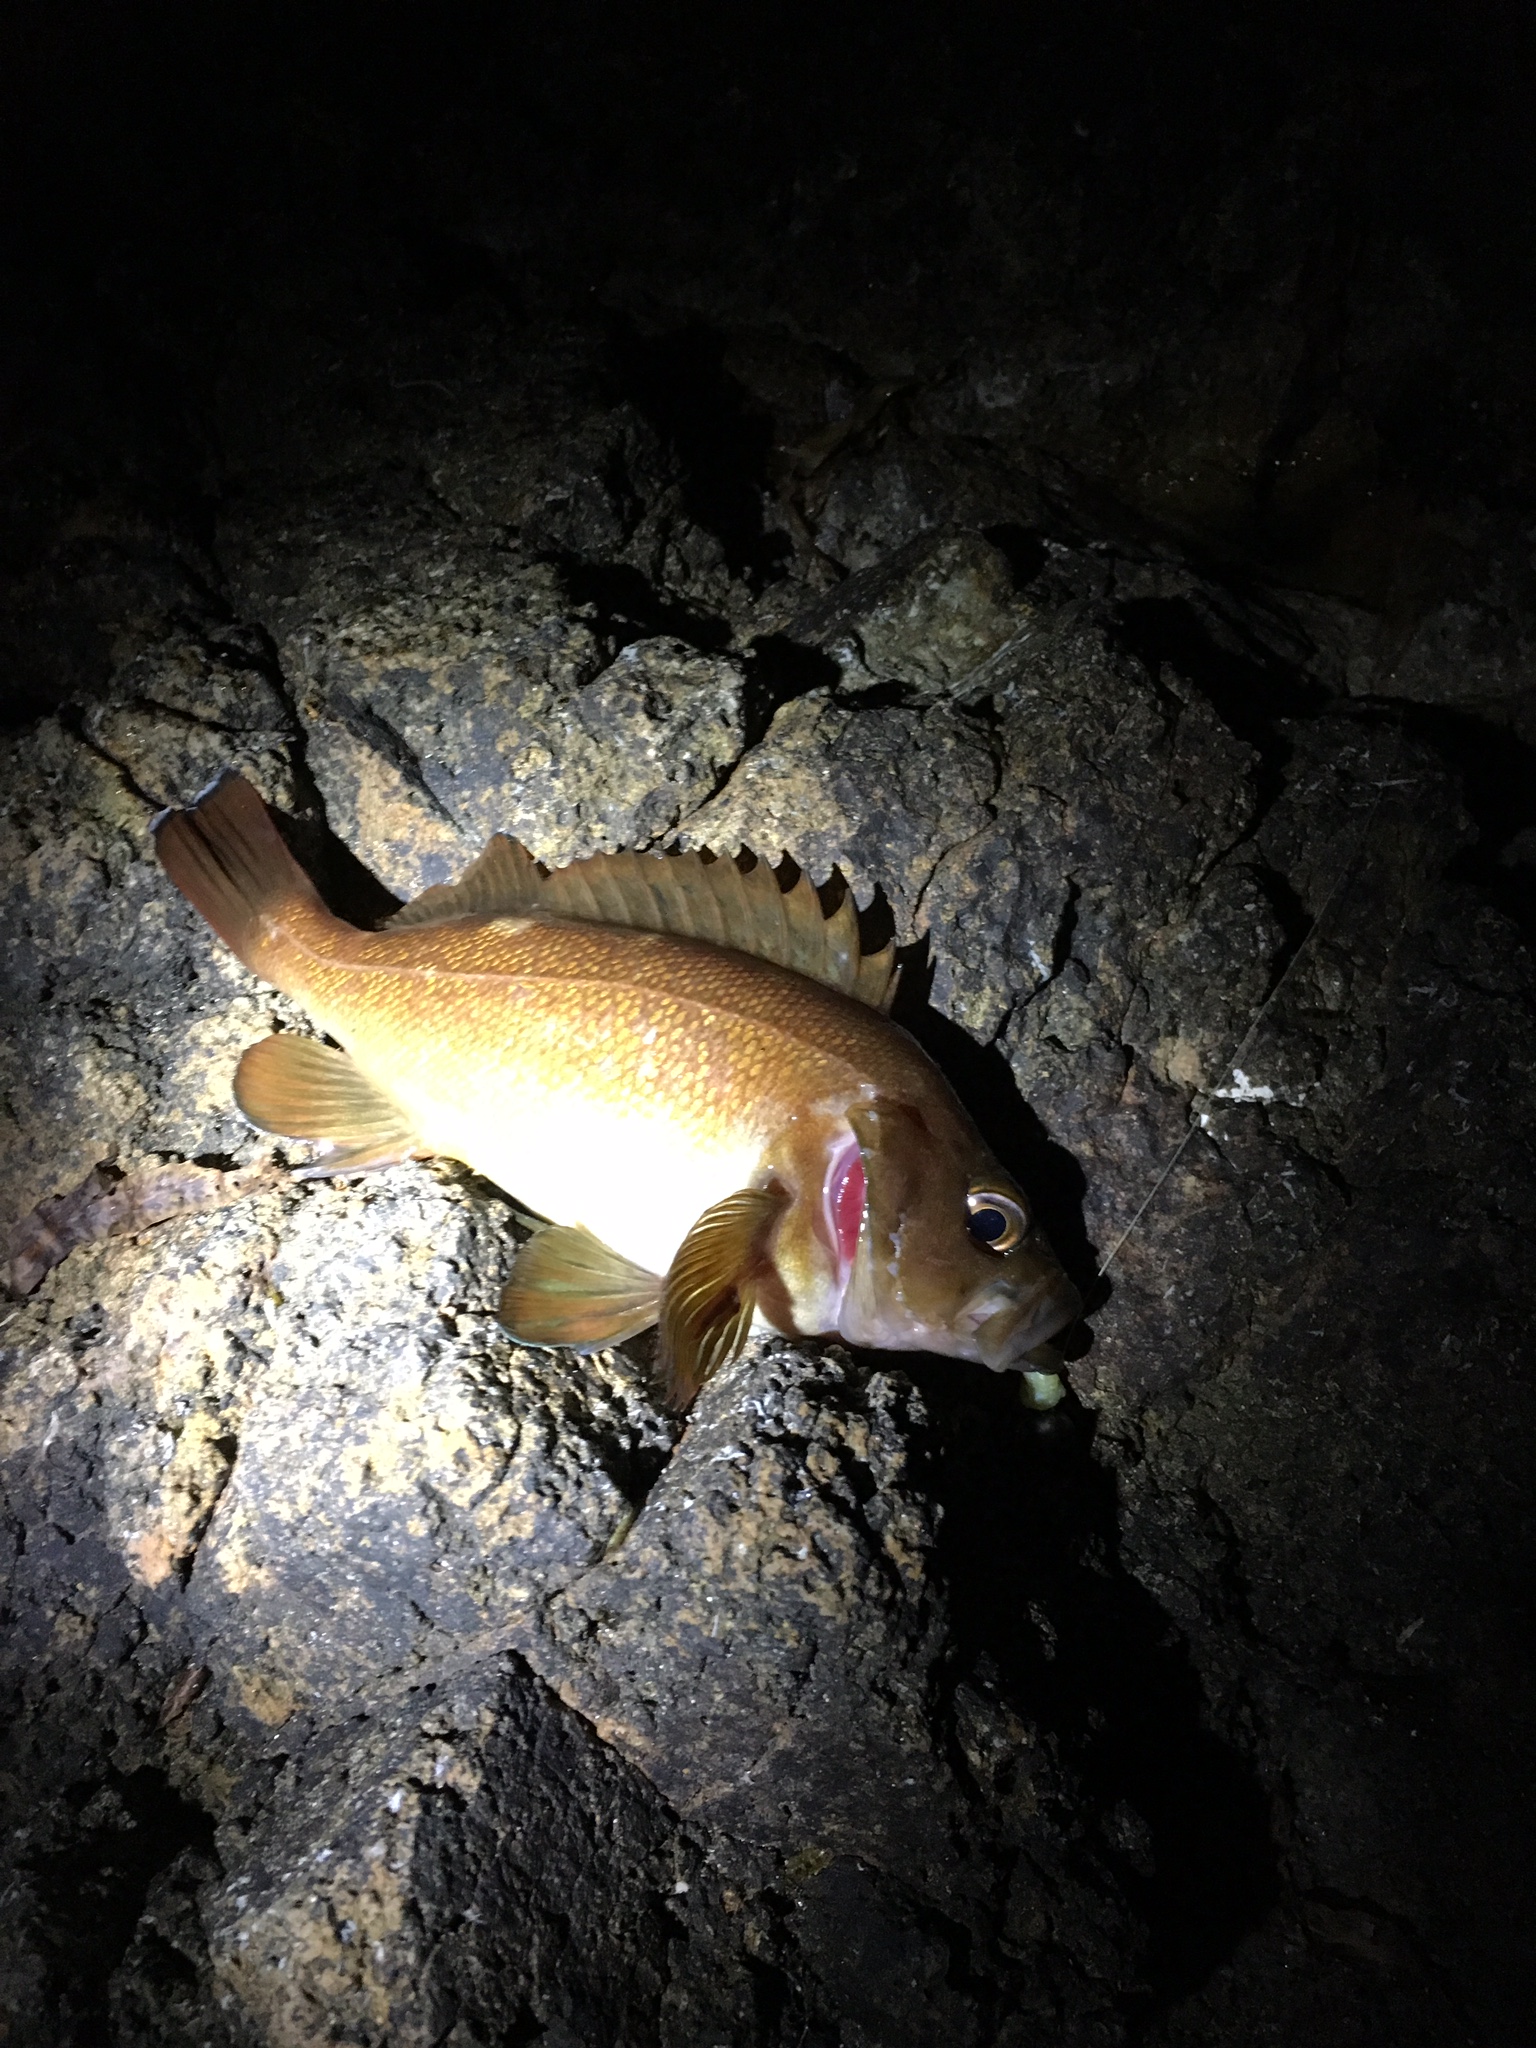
688 895
500 882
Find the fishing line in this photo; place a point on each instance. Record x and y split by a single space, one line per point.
1234 1065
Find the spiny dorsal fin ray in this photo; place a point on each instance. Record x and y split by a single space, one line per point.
687 895
502 881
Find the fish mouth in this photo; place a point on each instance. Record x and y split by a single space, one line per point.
1009 1330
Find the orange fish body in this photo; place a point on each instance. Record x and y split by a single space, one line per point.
715 1136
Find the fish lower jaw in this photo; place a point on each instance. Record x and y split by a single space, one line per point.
1002 1335
1012 1346
904 1333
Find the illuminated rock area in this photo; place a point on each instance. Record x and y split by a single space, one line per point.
368 1679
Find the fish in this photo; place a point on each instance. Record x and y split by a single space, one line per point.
685 1067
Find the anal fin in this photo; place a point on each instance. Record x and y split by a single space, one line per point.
567 1287
298 1088
710 1293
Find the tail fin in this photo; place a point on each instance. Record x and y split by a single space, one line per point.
226 858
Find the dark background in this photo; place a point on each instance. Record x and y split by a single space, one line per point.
196 192
1280 258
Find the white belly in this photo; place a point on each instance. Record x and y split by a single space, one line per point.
635 1181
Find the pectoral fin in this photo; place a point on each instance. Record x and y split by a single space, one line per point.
710 1293
298 1088
567 1287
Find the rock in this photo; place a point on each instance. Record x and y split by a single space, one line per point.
467 1859
350 1572
424 736
307 1469
930 616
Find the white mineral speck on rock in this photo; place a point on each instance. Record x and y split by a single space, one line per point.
1241 1089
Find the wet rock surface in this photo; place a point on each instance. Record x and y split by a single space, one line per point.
1150 650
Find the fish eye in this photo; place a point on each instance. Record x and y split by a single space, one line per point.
996 1221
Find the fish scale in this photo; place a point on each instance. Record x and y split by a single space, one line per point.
703 1060
695 1119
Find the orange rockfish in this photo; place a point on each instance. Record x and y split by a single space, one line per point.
686 1068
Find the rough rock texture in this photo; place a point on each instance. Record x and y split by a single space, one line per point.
1127 590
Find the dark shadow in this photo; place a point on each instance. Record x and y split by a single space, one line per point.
1023 551
347 887
1047 1619
1248 686
722 441
449 268
1497 771
629 608
1046 1616
778 670
984 1082
92 1893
